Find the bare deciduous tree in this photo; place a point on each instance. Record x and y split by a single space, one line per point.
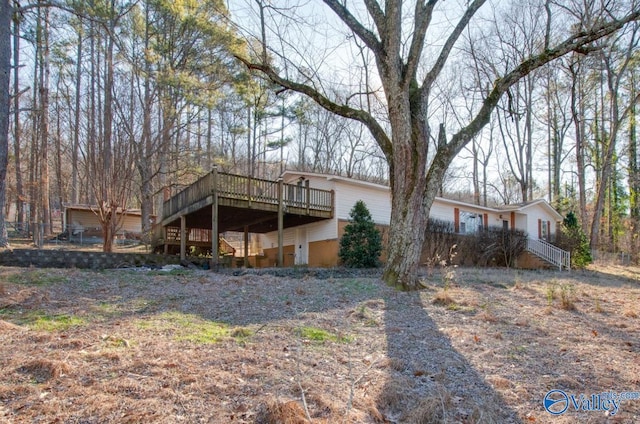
397 34
616 58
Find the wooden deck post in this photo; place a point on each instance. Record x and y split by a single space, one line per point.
183 237
166 240
280 223
214 221
246 246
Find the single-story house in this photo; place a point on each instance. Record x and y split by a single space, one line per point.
316 244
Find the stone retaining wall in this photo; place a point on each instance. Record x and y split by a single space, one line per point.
80 259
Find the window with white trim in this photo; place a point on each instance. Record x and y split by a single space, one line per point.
470 222
544 229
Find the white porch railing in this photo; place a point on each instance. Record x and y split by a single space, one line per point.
549 253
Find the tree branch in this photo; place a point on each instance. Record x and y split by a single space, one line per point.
501 85
448 46
365 35
392 38
377 14
345 111
423 14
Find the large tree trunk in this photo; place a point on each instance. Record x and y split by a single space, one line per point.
92 116
16 125
408 220
145 154
75 189
145 151
44 126
634 178
108 194
5 71
634 169
614 69
577 114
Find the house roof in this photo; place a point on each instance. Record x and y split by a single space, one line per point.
465 204
330 177
92 208
518 207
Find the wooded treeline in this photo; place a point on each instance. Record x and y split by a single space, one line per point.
568 131
118 104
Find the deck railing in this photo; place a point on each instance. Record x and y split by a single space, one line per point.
550 253
190 195
245 188
306 197
250 189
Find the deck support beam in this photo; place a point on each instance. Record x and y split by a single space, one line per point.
246 246
183 237
280 223
165 233
215 236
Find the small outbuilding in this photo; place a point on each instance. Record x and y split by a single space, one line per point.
82 222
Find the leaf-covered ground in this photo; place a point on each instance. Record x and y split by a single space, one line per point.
188 346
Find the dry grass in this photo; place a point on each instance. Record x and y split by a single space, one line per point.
567 297
487 315
431 410
442 298
630 313
124 346
281 413
43 370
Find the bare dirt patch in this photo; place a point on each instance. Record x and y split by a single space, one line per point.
196 346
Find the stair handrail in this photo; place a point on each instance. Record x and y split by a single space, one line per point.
550 253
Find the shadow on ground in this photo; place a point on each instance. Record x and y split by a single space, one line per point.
430 382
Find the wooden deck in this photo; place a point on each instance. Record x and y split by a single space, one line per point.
237 191
220 202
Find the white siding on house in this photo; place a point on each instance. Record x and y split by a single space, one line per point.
132 224
521 224
533 214
347 193
494 219
83 220
441 211
445 211
318 231
270 240
323 230
378 201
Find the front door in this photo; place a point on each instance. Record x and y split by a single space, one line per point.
301 247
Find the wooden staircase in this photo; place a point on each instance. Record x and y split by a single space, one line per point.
548 255
196 237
